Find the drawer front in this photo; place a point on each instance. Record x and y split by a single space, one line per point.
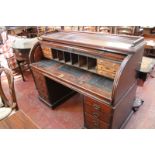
94 123
41 85
97 109
107 68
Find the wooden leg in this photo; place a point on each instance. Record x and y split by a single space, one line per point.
21 70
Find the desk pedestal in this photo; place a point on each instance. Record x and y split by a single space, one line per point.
51 92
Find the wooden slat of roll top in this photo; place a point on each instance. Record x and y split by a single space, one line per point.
107 68
47 52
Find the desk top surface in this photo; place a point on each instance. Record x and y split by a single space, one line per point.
18 121
77 79
95 40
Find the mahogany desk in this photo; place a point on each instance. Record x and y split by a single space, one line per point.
101 67
18 120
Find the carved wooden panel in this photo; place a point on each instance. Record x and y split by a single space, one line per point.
41 85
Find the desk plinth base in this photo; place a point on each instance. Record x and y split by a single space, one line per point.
58 102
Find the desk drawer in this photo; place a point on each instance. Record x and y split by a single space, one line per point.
97 109
94 123
107 68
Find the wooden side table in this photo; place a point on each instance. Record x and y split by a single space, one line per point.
21 48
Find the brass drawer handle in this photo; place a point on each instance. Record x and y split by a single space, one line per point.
96 114
95 123
97 107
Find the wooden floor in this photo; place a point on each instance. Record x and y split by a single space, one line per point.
70 113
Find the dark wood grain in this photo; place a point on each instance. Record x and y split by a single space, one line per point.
77 58
40 82
98 109
123 108
106 53
94 123
36 53
97 41
127 74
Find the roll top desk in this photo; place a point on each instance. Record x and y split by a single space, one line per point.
103 68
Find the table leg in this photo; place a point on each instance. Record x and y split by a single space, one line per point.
20 70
